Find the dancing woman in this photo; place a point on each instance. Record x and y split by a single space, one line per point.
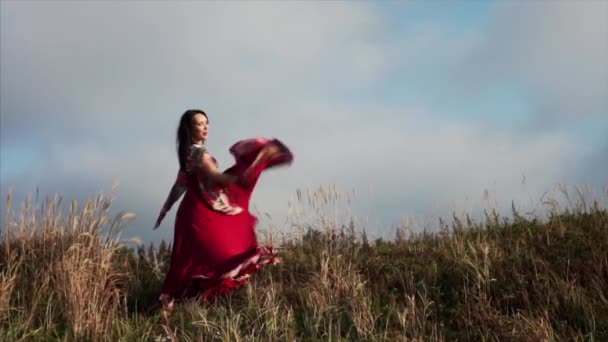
215 248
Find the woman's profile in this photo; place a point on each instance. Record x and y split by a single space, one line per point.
215 248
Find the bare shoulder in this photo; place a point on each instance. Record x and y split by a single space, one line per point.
208 161
207 157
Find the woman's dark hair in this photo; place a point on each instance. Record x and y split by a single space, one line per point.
184 135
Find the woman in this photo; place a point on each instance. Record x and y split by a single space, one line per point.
215 247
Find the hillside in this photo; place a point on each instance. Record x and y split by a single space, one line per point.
65 276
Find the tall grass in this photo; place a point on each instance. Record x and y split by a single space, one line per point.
58 270
66 276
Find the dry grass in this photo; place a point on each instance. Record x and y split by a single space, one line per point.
58 269
65 276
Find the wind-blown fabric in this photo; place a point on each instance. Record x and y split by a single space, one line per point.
215 248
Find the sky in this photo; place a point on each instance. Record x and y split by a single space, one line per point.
420 108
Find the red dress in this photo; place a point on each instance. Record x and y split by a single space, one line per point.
215 248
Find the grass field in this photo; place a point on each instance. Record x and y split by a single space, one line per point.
66 276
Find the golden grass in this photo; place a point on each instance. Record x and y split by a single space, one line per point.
64 275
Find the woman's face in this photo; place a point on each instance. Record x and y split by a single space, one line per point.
200 128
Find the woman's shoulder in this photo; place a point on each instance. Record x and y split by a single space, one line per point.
197 149
197 154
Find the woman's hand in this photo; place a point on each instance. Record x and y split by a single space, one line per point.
265 154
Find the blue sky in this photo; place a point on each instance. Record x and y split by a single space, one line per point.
428 103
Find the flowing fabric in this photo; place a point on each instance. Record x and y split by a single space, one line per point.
215 248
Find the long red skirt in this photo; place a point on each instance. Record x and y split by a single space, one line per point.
214 253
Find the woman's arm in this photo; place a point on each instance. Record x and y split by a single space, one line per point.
266 153
210 169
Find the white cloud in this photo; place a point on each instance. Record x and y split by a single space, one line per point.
100 86
83 60
414 164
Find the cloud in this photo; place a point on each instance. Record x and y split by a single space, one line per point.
592 170
415 166
111 66
554 52
92 92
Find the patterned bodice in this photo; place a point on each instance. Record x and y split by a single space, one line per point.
215 196
194 178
